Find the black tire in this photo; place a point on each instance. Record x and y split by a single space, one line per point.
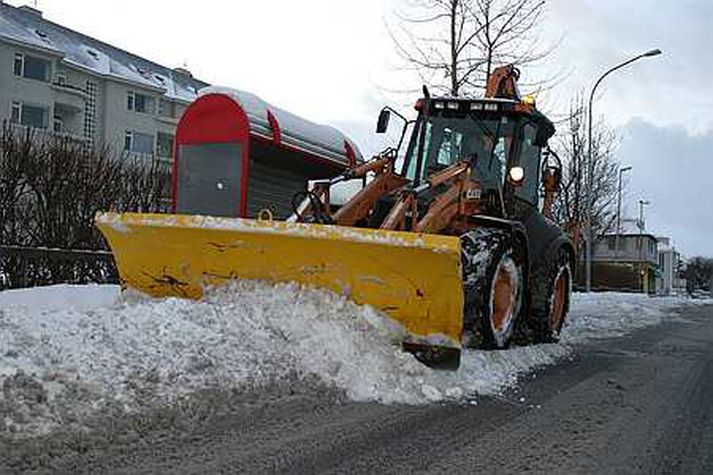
546 326
486 252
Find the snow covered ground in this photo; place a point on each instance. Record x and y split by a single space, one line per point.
66 352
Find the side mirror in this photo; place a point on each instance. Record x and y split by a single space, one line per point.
551 178
382 124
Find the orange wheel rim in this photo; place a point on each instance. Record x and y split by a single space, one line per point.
504 298
559 298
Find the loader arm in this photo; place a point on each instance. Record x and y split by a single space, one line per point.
361 204
551 181
444 209
502 83
551 185
459 201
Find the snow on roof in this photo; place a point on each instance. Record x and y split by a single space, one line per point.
26 26
629 227
296 131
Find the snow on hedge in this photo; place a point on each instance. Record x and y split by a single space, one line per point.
66 352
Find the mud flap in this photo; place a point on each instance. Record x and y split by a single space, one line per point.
415 279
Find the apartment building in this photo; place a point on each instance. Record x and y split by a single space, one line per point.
56 79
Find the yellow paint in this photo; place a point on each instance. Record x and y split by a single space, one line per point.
413 278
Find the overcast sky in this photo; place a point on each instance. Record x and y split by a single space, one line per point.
329 60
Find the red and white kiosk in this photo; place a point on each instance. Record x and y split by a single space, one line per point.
236 155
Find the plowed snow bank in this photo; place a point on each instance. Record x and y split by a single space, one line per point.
68 351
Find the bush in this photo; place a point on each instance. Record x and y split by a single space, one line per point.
50 190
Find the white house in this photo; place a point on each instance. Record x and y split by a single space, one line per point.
668 280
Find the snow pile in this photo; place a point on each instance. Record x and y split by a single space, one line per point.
606 315
66 352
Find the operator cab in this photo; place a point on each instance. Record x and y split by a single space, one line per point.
502 138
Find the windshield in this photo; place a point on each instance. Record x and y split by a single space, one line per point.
451 139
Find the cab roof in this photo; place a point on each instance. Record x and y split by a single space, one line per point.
491 105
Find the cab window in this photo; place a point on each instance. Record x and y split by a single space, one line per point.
529 160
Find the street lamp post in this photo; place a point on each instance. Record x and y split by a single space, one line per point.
590 165
642 228
642 223
618 210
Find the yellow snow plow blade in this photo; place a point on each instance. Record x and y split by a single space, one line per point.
413 278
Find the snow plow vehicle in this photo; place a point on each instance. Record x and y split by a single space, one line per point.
452 240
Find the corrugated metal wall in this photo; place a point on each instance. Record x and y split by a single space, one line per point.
270 187
275 176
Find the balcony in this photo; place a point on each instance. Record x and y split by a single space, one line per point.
69 96
47 134
68 119
167 120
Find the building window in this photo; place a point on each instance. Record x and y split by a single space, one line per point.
164 145
61 80
611 243
31 67
140 103
166 109
19 64
16 113
29 115
57 124
138 143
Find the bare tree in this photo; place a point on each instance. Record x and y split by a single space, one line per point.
455 44
50 190
699 274
571 145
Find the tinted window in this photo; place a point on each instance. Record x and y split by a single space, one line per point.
144 104
451 139
164 145
36 68
35 116
142 143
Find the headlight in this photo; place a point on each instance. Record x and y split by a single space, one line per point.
517 175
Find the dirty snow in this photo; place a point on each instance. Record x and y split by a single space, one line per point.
67 352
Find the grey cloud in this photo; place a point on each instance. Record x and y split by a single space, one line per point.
673 169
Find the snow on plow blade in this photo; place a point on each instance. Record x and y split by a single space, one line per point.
415 279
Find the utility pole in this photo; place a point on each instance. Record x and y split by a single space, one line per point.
642 227
618 211
590 165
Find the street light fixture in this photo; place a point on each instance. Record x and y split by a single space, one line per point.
618 210
590 164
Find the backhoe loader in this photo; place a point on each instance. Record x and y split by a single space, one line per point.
452 238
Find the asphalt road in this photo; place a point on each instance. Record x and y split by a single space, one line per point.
637 404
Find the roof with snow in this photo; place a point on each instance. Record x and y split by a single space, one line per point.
26 26
630 227
320 140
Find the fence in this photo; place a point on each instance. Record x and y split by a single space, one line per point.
22 267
